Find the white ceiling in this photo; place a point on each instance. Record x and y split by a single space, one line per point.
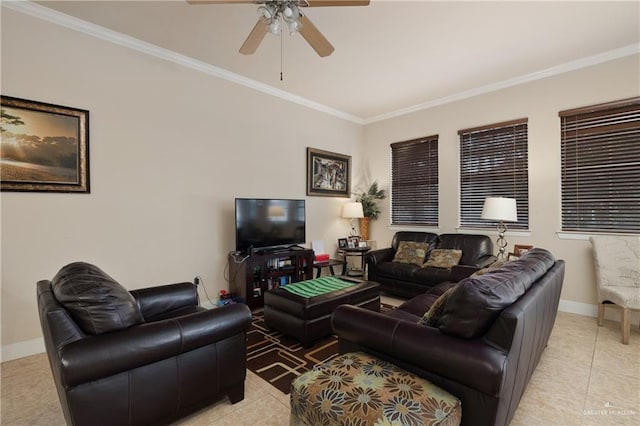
391 56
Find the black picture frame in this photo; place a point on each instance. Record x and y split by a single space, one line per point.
342 243
328 173
45 147
354 241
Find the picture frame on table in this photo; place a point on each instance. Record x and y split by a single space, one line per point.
343 243
520 249
45 147
354 242
512 256
328 173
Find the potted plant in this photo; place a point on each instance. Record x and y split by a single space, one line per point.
369 207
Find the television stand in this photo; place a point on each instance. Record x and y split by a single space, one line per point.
268 269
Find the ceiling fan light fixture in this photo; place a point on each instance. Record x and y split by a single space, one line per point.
274 27
266 12
294 27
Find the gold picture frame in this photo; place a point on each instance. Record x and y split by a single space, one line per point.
45 147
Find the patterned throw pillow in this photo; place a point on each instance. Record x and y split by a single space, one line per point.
443 258
495 265
411 252
433 315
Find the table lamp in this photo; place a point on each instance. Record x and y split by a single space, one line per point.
352 211
500 209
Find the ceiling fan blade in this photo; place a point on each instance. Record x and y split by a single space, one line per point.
219 1
255 38
315 38
321 3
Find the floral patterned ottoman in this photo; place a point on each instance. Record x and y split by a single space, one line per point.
358 389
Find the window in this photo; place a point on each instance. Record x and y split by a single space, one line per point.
601 167
494 163
414 182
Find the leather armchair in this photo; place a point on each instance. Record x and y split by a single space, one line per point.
175 358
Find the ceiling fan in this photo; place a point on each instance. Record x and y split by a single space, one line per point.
272 13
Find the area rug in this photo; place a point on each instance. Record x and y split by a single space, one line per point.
278 359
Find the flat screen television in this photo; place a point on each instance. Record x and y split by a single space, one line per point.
263 223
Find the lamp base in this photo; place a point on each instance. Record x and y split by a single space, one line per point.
501 243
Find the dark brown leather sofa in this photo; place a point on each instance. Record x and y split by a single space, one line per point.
148 356
408 280
490 335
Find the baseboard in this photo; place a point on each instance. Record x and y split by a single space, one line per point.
22 349
585 309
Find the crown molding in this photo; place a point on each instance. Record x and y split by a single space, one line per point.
632 49
58 18
76 24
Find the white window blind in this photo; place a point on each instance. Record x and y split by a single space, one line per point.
494 163
601 167
414 182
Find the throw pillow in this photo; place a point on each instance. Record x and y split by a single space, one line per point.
443 258
495 265
96 302
433 315
411 252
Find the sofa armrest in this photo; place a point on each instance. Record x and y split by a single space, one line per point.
471 362
378 256
460 272
155 301
101 356
485 261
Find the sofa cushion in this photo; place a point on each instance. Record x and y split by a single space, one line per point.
477 301
474 247
411 252
397 270
96 302
432 317
443 258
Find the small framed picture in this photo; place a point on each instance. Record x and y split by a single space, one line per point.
520 249
362 244
512 256
354 242
342 243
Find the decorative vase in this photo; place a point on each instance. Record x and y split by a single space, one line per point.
364 228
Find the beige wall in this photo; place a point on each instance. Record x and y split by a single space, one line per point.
539 101
170 149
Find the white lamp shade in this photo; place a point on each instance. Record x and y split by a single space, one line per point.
352 210
498 208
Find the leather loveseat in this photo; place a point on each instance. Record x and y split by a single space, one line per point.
484 339
148 356
410 279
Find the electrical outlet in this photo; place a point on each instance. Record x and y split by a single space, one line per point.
197 280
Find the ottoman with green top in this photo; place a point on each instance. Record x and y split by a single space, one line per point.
358 389
303 310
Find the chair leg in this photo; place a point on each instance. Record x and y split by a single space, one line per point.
236 394
626 325
600 313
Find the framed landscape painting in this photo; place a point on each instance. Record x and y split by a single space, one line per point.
328 173
44 147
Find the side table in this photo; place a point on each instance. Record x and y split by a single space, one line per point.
329 264
356 252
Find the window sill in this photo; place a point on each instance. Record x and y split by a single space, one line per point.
492 231
568 235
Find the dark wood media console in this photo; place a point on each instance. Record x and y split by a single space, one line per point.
266 270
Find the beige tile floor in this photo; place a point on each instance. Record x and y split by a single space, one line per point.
585 377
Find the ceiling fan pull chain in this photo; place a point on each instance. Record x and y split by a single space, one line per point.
281 57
